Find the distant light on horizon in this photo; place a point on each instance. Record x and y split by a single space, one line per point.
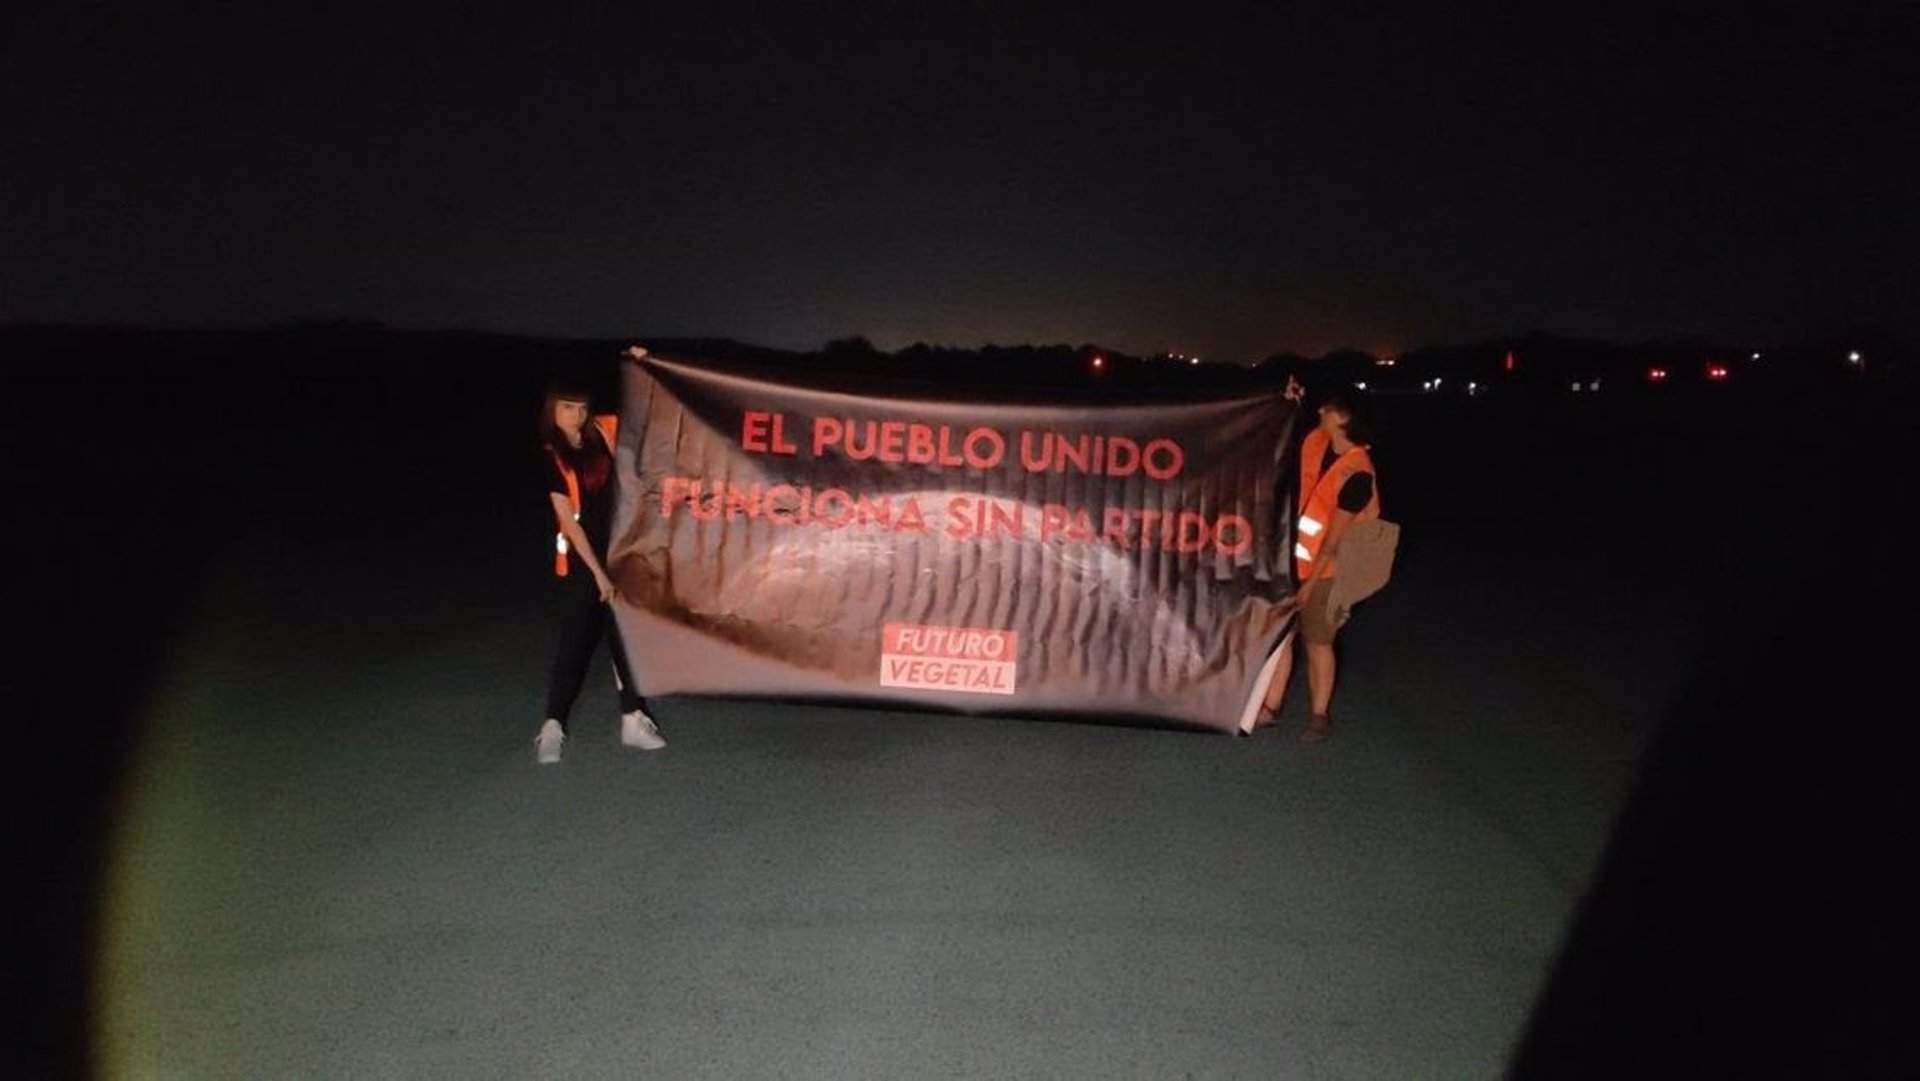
1853 357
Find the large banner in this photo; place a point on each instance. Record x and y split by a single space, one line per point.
786 537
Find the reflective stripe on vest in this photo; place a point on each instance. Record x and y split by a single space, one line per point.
609 430
1320 498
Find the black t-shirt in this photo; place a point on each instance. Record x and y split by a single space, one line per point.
1357 492
593 465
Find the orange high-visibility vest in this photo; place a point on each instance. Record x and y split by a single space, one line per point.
1320 497
609 428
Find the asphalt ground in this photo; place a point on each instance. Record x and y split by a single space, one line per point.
338 858
308 839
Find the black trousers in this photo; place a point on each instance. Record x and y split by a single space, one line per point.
583 621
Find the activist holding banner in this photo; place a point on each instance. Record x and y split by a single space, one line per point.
582 486
1339 502
783 533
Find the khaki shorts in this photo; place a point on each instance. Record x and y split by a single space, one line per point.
1316 615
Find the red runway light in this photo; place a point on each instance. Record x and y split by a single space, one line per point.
1716 371
1657 375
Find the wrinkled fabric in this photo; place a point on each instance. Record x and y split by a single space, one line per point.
867 546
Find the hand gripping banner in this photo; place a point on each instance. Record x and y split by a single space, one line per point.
787 536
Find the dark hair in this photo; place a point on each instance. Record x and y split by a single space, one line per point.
1358 410
560 390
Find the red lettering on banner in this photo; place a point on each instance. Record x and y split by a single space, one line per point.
1080 527
1112 456
957 525
1147 518
672 490
854 451
1053 521
966 517
1175 459
919 444
753 431
1073 523
743 501
1243 532
1077 453
1007 523
977 659
780 443
910 517
869 510
826 432
1036 463
1192 533
827 518
707 513
954 643
987 459
947 456
895 441
893 436
784 509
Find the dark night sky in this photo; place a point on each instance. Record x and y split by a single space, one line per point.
1225 183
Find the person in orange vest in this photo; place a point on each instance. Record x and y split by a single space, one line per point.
1337 488
581 487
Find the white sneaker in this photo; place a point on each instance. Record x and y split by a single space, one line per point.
547 744
638 730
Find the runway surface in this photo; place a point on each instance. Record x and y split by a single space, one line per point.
337 857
